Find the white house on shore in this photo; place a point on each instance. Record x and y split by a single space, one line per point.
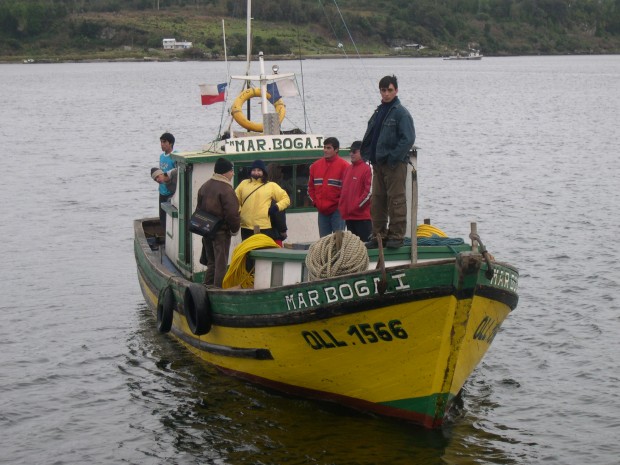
172 44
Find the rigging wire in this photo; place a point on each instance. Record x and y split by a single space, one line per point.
303 87
228 82
364 82
354 46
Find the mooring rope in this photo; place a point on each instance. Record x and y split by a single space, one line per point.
335 255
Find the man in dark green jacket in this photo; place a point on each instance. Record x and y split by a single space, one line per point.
388 140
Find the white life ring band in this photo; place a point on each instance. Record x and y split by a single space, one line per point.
237 112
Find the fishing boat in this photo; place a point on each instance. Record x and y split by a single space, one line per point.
397 336
472 55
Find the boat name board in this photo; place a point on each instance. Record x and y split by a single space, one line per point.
273 143
341 292
505 279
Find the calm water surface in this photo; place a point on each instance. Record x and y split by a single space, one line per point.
526 147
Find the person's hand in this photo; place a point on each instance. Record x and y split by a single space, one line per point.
273 209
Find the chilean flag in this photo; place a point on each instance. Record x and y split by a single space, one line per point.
211 93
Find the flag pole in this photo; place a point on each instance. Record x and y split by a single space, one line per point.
225 52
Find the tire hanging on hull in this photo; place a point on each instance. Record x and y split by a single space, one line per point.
165 309
197 309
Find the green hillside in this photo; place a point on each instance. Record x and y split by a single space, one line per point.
51 30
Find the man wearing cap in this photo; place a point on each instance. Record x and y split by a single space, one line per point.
388 140
169 178
255 197
354 203
166 164
325 187
216 196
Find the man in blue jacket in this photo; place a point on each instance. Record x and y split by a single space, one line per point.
388 140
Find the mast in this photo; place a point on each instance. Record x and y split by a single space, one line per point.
248 39
248 51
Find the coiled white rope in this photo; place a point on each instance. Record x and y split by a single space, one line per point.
336 255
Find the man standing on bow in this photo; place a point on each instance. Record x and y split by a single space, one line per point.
388 140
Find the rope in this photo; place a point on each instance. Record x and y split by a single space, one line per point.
335 255
237 274
429 235
428 230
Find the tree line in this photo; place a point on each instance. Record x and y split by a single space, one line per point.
490 23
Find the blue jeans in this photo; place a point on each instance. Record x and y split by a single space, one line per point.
330 223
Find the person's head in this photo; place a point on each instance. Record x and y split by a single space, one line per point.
355 152
330 147
274 172
158 175
167 142
388 86
258 170
224 167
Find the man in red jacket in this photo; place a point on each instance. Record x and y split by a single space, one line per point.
325 186
354 204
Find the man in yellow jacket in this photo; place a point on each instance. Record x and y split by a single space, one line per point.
255 197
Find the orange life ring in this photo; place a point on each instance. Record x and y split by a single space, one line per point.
237 112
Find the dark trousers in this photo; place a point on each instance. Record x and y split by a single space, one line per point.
162 213
216 251
245 233
389 201
361 228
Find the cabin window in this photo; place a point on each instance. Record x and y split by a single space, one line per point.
277 274
292 177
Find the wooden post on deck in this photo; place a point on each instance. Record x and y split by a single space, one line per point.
414 208
474 233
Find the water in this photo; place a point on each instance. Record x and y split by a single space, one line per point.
526 147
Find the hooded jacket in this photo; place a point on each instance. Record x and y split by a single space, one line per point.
354 201
255 199
325 183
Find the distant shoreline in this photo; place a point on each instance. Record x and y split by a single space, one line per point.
147 59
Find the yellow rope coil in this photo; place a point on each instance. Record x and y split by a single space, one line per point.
428 230
237 275
335 255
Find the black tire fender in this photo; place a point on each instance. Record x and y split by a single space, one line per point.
165 309
197 309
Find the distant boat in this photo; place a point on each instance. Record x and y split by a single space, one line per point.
28 61
473 55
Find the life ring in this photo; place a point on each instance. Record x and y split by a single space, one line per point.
165 309
237 112
197 309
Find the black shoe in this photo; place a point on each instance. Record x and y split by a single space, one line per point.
394 243
372 243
